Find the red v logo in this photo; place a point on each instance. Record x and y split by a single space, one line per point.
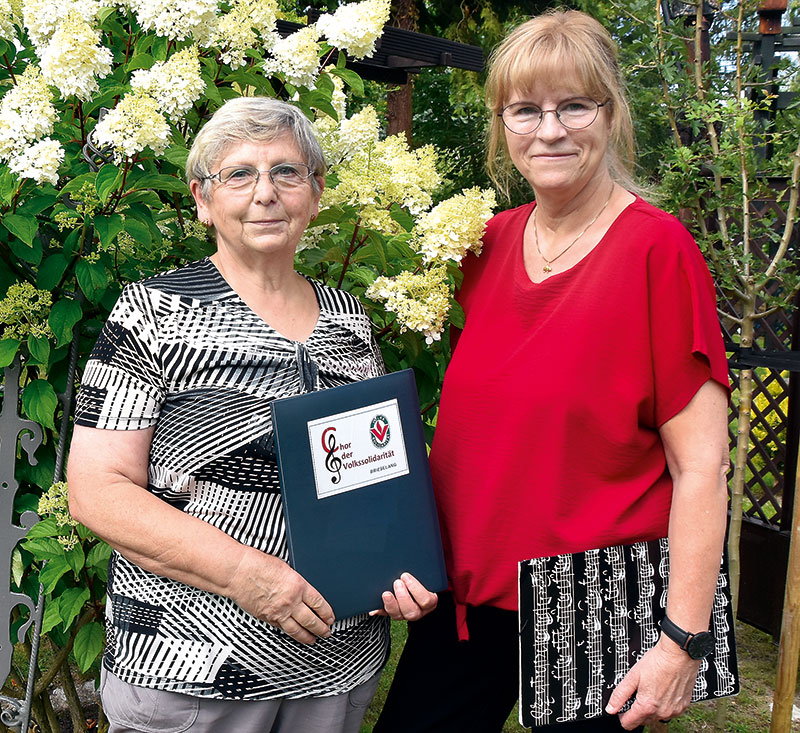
379 431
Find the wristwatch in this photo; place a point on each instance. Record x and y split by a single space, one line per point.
697 646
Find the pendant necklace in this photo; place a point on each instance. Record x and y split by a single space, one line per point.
547 263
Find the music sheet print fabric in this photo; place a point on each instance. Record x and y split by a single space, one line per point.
586 618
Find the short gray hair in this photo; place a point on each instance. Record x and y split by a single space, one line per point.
244 119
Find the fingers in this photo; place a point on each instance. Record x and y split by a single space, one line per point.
622 693
409 601
314 600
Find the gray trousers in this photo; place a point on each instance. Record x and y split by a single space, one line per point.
133 709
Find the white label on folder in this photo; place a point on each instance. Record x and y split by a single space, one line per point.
357 448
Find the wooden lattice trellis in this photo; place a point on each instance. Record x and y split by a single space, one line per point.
767 457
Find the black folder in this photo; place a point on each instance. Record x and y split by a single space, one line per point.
358 514
587 617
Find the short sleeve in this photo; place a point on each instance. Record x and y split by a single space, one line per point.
686 339
123 385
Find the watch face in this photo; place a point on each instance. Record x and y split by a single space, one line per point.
701 645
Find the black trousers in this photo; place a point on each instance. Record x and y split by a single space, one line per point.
443 685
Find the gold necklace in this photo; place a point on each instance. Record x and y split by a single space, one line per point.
547 263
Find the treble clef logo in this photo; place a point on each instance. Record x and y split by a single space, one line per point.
332 462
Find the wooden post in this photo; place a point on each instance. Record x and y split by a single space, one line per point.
769 16
789 651
399 107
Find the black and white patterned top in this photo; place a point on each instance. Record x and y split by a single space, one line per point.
182 352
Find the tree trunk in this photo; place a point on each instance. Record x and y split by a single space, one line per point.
399 106
742 449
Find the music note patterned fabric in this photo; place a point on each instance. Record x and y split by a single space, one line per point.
182 352
587 617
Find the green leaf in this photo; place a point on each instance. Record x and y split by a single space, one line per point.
39 402
22 226
331 215
63 317
48 527
92 279
39 348
51 271
138 230
8 350
75 184
52 572
160 182
457 317
28 253
140 61
52 616
9 185
107 227
160 48
44 548
410 342
212 91
107 181
98 556
88 644
76 558
350 78
37 205
70 604
402 217
177 155
17 567
321 102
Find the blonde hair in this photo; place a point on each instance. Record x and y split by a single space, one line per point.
559 44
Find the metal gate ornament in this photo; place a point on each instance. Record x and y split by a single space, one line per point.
14 428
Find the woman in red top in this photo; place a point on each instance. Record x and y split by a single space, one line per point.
586 401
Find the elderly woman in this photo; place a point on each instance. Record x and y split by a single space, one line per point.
172 459
592 348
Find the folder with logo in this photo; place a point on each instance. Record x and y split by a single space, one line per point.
357 493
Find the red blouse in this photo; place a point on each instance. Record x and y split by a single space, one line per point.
547 437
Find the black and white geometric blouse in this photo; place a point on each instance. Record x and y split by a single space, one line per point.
182 352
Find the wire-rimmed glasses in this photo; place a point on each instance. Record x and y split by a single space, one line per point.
284 176
576 113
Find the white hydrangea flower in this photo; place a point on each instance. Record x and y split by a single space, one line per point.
296 57
175 84
42 17
27 113
359 132
74 57
355 27
7 30
421 301
241 28
384 173
40 161
178 19
455 226
134 124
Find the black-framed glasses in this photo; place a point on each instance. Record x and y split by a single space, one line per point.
284 176
522 118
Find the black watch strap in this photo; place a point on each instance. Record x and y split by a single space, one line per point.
675 632
697 645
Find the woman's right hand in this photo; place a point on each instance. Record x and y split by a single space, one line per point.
268 588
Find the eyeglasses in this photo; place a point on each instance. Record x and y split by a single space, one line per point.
284 176
522 118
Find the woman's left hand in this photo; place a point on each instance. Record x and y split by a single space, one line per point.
409 600
662 681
